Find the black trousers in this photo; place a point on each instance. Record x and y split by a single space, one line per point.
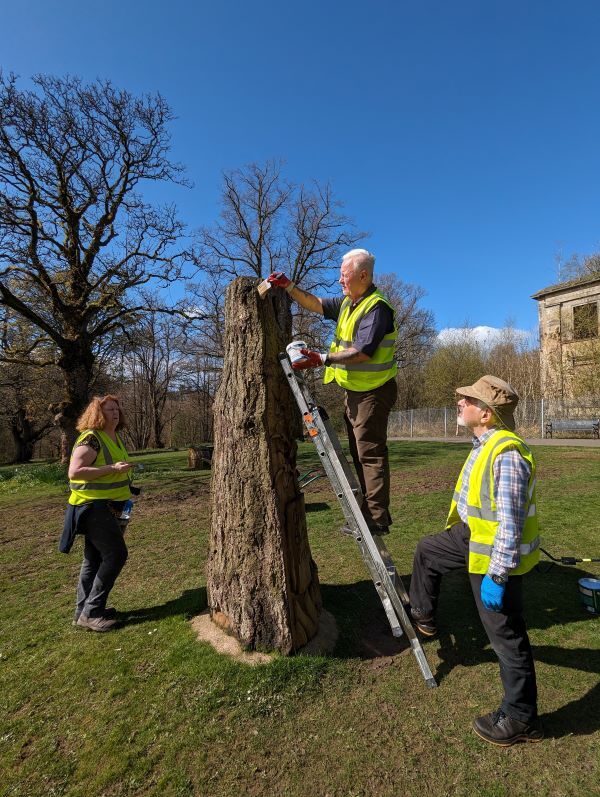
104 555
442 553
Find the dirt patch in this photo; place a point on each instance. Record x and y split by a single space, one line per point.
422 483
377 646
158 496
207 631
325 639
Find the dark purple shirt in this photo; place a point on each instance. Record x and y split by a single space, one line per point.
372 327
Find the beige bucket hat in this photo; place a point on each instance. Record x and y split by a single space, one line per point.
497 394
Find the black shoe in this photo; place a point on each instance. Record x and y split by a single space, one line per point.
378 529
501 730
426 625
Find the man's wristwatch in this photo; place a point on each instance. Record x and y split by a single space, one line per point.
500 580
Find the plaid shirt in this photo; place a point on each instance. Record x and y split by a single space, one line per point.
511 482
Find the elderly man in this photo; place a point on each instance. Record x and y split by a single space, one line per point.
361 360
492 529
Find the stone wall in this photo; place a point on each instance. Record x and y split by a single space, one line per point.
569 366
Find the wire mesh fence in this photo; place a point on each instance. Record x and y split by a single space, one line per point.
532 418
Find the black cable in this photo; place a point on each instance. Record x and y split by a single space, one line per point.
562 560
567 560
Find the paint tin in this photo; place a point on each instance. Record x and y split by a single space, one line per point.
589 592
293 350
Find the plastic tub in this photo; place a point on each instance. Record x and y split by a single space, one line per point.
589 592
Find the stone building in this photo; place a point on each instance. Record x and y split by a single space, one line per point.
569 338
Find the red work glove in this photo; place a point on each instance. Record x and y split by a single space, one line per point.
278 280
312 359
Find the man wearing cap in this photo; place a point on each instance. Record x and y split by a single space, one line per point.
361 360
492 529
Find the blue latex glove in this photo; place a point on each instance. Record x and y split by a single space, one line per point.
492 594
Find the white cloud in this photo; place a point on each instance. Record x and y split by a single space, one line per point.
486 336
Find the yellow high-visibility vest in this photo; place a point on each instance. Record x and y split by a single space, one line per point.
113 486
382 365
482 510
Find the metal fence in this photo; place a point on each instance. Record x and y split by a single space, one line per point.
531 417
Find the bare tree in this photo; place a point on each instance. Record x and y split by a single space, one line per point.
76 238
26 387
459 361
416 337
516 358
155 357
269 224
24 408
577 266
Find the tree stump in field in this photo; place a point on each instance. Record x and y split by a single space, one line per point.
262 582
200 457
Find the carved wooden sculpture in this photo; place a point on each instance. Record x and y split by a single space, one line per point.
263 585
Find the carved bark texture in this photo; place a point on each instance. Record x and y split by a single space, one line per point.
263 585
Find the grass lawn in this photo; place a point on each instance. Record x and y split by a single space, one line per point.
148 710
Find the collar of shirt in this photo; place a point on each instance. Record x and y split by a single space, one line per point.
462 504
368 292
479 441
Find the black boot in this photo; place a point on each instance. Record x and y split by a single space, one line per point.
501 730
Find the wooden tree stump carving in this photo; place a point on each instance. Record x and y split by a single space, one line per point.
263 585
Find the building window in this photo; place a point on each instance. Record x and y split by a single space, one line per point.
585 321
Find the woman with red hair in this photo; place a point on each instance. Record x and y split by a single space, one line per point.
100 486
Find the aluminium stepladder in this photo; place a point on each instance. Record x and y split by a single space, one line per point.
377 558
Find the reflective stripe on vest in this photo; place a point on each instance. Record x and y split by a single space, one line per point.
380 368
90 486
524 549
105 487
482 510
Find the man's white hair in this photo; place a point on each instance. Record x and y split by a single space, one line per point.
361 258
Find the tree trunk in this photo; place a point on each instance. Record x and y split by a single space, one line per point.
263 585
158 427
77 364
24 435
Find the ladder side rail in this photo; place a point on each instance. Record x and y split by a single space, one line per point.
390 566
355 517
384 583
342 486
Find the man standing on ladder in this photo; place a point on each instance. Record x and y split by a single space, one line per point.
492 529
361 360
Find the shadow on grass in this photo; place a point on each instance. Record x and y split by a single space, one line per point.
580 717
190 603
551 599
364 631
316 506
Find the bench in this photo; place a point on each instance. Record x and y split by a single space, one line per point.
575 426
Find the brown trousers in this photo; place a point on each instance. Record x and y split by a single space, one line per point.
366 419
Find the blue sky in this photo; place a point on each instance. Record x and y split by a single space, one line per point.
465 135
